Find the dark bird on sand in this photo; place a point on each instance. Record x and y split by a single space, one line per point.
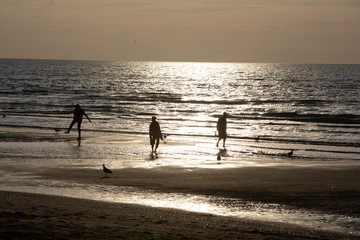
106 170
290 153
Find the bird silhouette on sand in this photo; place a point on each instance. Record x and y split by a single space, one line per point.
106 170
290 153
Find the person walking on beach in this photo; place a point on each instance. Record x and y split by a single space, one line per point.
221 128
154 134
78 117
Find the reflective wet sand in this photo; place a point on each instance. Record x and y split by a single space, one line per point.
186 175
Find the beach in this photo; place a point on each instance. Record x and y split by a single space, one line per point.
279 200
331 190
31 216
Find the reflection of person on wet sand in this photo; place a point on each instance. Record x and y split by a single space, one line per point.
78 116
154 134
221 128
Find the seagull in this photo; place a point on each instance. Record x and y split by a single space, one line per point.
106 170
290 153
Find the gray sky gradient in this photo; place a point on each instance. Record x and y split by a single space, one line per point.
285 31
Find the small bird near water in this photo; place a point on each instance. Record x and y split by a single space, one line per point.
106 170
290 153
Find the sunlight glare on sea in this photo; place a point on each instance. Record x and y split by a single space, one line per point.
279 105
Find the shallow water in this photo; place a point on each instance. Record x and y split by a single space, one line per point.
46 148
314 105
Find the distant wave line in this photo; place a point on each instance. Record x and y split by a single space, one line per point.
305 149
350 121
160 98
294 116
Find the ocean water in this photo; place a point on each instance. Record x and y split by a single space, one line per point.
314 109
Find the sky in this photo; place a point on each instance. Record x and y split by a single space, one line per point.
251 31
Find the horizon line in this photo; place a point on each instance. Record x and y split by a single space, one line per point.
174 61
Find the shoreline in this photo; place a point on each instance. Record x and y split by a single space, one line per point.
321 189
97 132
34 216
326 187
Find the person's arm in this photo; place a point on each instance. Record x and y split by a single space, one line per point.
150 130
161 137
87 117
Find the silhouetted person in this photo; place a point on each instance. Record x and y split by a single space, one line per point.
221 128
78 116
154 134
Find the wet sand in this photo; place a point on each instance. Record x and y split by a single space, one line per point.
31 216
327 190
330 188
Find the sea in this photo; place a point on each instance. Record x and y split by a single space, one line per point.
314 106
312 109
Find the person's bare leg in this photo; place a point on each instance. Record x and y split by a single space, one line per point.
152 146
157 144
70 127
217 144
79 131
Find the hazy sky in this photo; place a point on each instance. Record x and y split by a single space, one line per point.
287 31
